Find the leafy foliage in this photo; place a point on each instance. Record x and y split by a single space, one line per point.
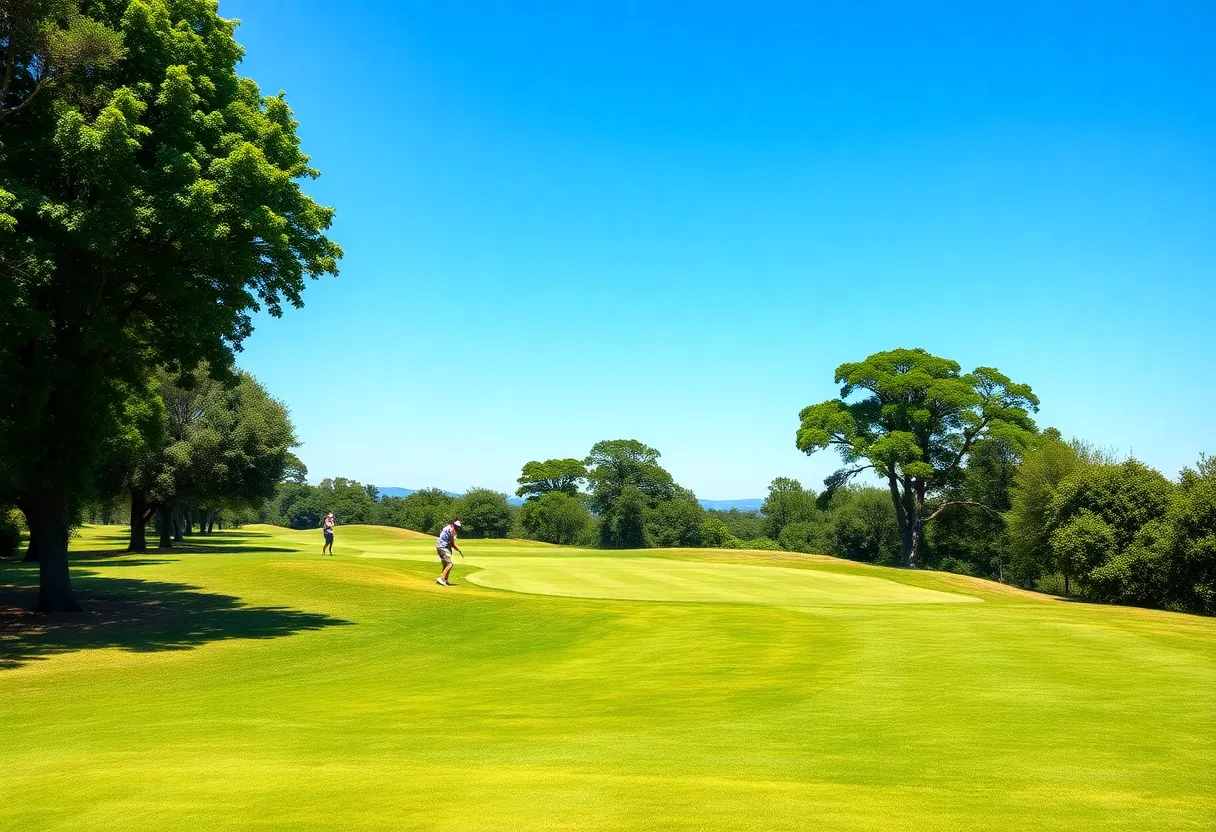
623 525
46 41
555 517
1046 464
745 525
677 521
1082 543
917 421
485 513
539 478
150 205
617 464
788 502
863 526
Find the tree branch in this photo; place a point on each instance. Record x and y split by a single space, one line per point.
949 503
968 441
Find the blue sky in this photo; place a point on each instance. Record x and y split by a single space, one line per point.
575 221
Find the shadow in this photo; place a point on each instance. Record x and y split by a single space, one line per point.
131 614
177 548
114 544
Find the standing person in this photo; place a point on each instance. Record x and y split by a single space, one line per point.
327 526
445 545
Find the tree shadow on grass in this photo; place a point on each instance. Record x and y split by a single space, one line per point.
114 544
131 614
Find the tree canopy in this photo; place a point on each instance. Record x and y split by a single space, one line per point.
540 478
913 418
150 205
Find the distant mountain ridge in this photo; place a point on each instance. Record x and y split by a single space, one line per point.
712 505
752 504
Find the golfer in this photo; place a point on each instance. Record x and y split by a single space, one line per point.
327 526
444 546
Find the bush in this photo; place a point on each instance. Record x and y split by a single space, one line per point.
745 525
958 567
485 513
555 517
1083 543
810 538
717 535
863 526
12 527
675 522
787 503
1125 497
762 543
1035 485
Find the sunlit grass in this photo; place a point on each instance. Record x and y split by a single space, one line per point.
249 683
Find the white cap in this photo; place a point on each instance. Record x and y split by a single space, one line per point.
456 523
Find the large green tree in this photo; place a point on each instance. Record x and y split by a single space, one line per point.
787 502
149 205
540 478
676 521
626 481
555 517
223 444
1097 513
913 418
484 513
615 464
1045 465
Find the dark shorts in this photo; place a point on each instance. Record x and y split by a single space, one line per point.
329 537
445 555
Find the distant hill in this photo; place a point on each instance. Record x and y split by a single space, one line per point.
393 491
727 505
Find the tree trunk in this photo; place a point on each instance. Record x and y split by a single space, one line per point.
1066 592
914 495
901 519
166 526
140 510
176 519
46 513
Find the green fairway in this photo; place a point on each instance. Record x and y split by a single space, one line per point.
648 579
246 682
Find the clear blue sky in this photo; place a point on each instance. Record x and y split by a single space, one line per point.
574 221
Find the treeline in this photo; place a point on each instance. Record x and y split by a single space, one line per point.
191 450
485 512
970 485
1043 513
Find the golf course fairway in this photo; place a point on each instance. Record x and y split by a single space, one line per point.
243 681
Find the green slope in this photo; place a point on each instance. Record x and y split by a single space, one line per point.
248 683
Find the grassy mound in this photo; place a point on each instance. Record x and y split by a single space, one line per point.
245 682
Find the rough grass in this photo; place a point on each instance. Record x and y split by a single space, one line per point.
245 682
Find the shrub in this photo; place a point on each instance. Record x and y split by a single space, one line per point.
12 526
805 537
716 534
485 513
958 567
762 543
1081 544
555 517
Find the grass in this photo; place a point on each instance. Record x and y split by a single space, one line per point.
245 682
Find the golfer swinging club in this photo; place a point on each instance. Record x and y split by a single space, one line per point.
445 545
